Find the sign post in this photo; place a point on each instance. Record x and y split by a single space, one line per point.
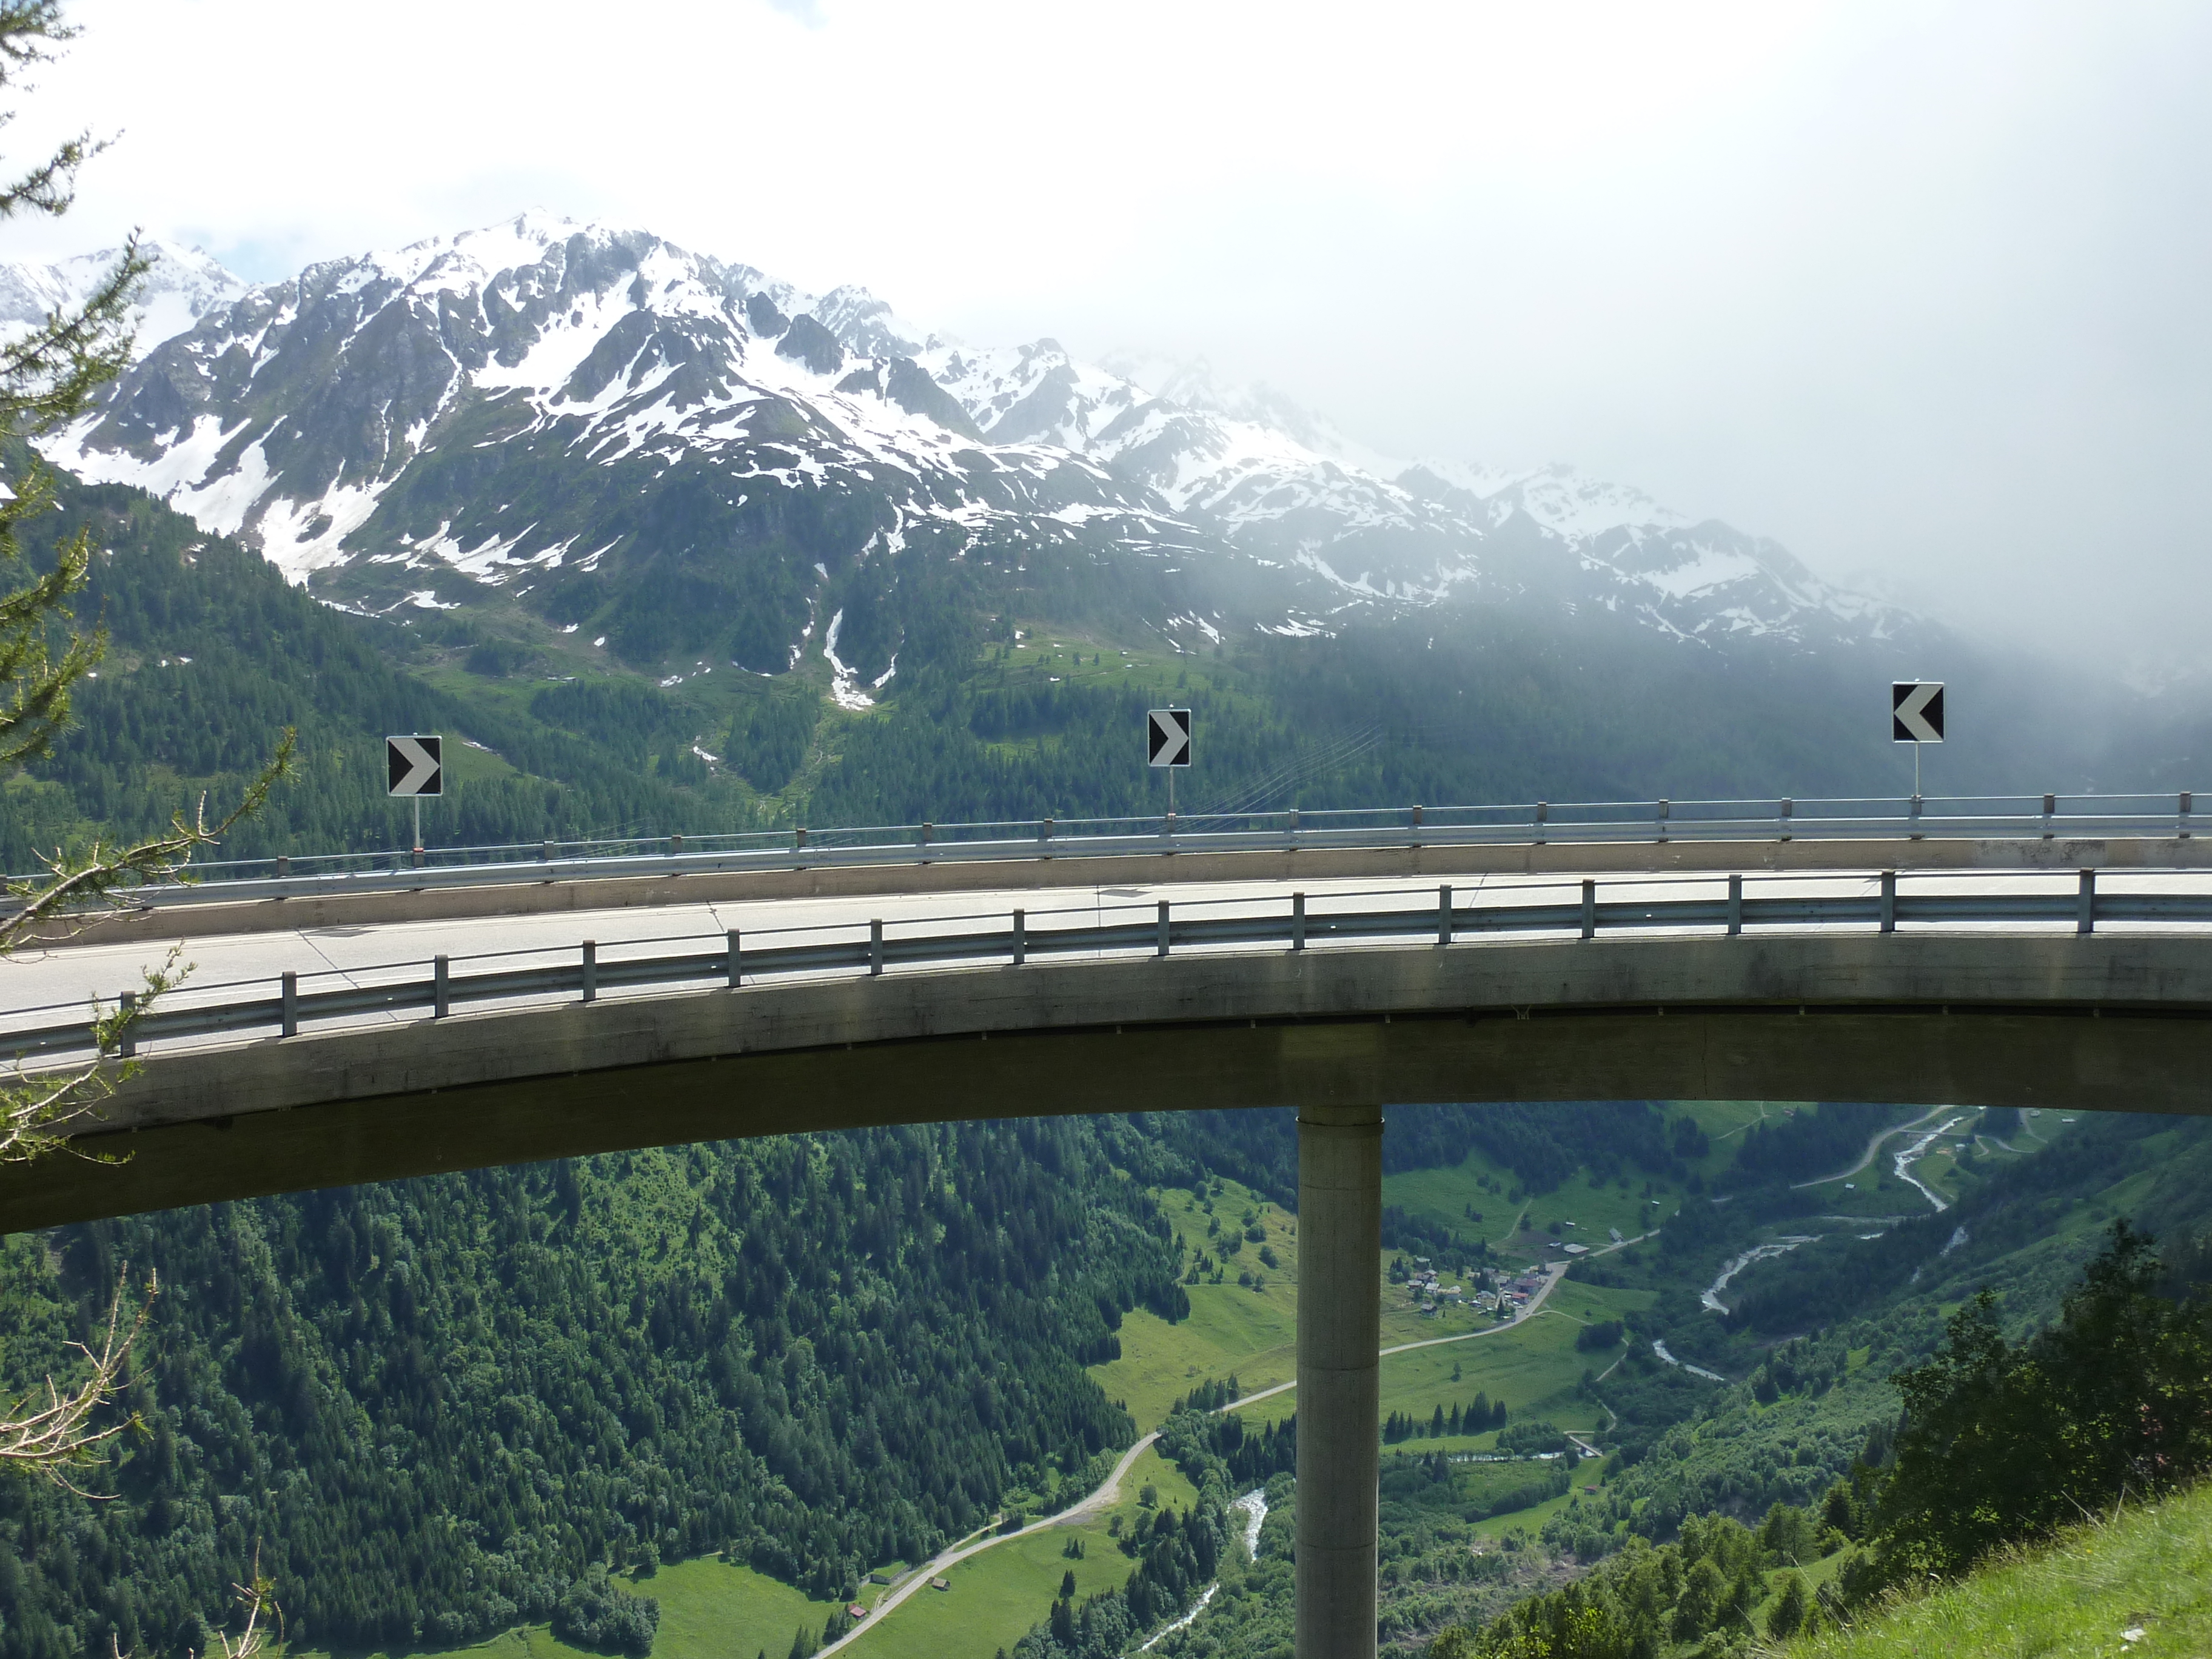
414 766
1916 716
1167 740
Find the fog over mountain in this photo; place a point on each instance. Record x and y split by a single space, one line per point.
1911 290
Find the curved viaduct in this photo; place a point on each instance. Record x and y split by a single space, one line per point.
1995 977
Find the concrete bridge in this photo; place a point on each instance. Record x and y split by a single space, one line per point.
329 1040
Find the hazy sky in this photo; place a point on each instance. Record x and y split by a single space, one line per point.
1921 291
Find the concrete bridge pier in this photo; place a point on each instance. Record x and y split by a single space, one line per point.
1339 1328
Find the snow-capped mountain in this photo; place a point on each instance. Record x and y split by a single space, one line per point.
690 456
181 287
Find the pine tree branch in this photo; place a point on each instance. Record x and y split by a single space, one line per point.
56 1437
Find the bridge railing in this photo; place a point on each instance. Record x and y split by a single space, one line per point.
286 1003
1993 817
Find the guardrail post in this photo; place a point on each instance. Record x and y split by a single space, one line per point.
736 960
1589 909
1444 915
676 847
1735 906
287 997
591 970
925 829
285 864
798 839
2050 806
1889 901
1915 816
1293 830
128 1002
1044 835
1164 927
2085 910
2181 829
548 852
1167 826
1662 823
1543 812
1782 828
875 949
415 859
1416 841
1021 938
1298 921
441 986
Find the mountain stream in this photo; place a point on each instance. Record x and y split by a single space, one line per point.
1254 1506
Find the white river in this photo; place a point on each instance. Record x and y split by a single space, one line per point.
1254 1506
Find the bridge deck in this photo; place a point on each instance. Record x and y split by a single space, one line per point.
1971 999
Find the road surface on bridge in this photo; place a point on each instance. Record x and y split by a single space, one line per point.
62 979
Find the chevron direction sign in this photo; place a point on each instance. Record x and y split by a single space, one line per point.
415 765
1915 711
1169 730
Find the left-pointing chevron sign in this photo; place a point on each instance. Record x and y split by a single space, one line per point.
415 765
1915 711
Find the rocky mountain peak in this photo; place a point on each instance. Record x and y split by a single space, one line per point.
549 410
183 285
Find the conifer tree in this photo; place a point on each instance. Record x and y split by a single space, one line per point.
50 376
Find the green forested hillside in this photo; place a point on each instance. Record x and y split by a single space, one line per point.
433 1406
1017 693
440 1408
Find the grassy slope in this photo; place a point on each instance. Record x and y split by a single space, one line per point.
996 1596
709 1609
2148 1571
1253 1333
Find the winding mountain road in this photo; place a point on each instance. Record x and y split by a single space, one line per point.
936 1565
1873 1146
1103 1497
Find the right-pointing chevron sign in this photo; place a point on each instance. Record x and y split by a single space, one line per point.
415 765
1168 737
1915 711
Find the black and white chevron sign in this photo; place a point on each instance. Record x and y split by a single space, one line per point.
1915 711
415 765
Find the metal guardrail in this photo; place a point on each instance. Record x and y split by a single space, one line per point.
1558 910
2020 817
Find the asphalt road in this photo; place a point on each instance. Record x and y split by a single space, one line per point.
62 980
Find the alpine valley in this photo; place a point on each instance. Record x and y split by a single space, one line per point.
665 544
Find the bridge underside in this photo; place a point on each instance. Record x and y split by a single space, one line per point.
2102 1022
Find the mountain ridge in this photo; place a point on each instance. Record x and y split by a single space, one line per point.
371 424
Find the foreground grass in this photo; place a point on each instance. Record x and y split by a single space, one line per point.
2148 1572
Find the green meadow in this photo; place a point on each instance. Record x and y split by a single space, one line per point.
709 1609
1230 1328
997 1595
